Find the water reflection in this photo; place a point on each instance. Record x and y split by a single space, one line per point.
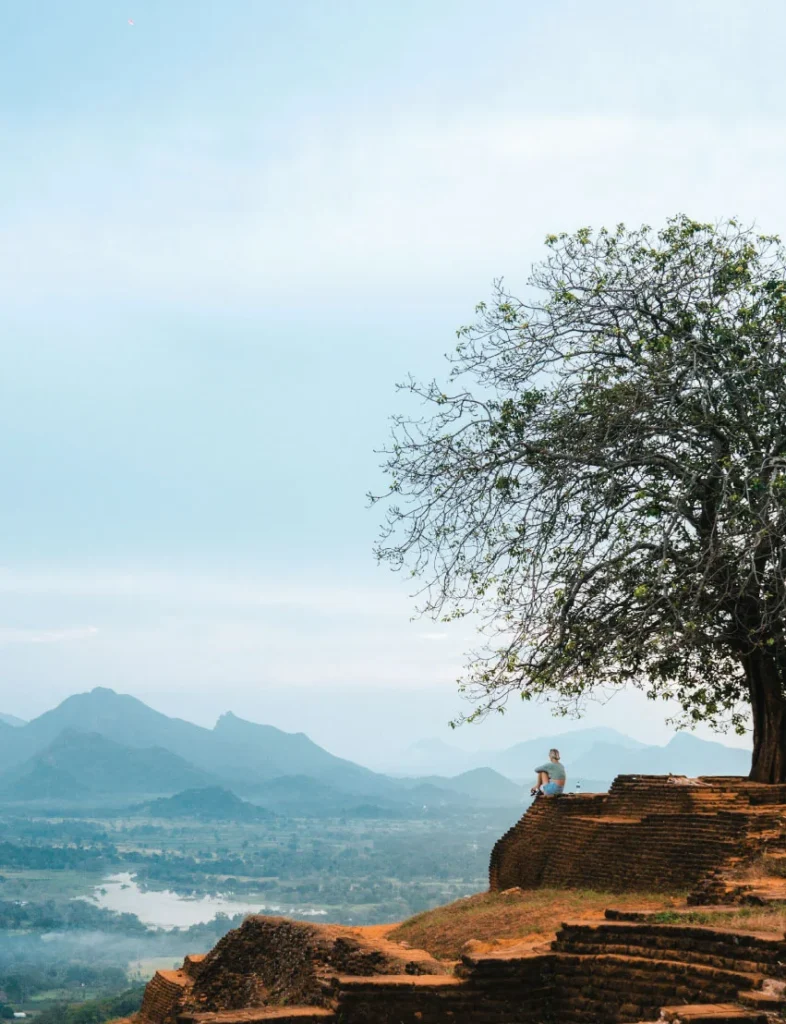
166 909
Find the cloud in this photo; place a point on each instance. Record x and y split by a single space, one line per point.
418 203
190 629
318 594
9 635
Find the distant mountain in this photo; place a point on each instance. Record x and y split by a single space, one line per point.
684 754
270 752
43 782
242 754
104 745
12 720
435 757
593 757
88 764
479 785
214 803
12 745
485 784
518 761
117 717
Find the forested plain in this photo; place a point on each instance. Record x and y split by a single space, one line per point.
60 948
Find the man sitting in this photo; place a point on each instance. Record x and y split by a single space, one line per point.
550 777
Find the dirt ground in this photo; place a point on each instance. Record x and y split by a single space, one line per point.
498 920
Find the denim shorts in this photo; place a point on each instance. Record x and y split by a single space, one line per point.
551 789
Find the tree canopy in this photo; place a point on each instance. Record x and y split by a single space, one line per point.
603 478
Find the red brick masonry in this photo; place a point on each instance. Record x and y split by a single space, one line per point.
647 834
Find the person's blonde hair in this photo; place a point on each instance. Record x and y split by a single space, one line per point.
554 753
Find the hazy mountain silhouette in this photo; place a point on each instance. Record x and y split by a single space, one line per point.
434 756
593 757
272 753
43 782
684 754
117 717
12 720
483 785
213 803
235 751
12 745
518 761
89 764
105 744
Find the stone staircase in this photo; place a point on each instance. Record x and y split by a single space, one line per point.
685 943
671 971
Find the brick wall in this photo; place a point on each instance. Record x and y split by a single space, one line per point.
163 997
646 834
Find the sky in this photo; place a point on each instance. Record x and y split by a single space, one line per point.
226 232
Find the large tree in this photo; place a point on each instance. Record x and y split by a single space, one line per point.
603 479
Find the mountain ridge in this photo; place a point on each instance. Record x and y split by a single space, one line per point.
597 753
89 764
264 763
12 720
242 753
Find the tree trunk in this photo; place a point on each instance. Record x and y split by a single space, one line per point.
768 705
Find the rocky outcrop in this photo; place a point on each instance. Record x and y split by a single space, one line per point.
273 962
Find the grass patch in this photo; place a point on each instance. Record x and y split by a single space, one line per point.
768 920
502 918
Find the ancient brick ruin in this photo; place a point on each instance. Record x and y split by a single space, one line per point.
272 961
614 971
646 834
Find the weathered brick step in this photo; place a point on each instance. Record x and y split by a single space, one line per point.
767 1001
684 954
395 982
422 999
588 987
261 1014
712 1013
674 935
608 970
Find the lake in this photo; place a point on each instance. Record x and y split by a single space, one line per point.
166 909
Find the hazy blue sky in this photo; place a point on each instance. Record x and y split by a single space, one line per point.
225 232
